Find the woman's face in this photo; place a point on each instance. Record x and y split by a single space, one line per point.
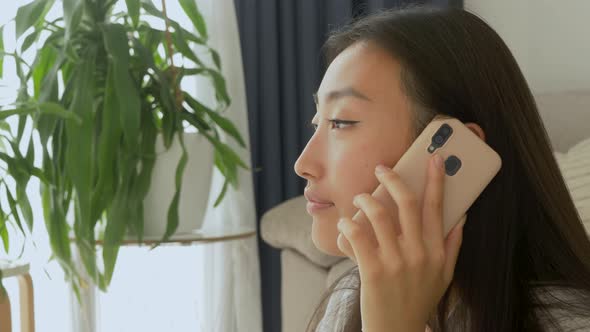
363 119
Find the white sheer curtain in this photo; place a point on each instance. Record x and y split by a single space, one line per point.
232 284
209 287
50 290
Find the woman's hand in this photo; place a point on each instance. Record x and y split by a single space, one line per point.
403 276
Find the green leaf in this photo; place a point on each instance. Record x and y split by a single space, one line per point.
228 170
152 10
167 101
182 46
221 121
78 159
4 229
191 10
217 79
148 156
15 167
230 155
13 208
226 160
133 10
28 15
196 121
45 60
144 56
193 71
30 156
51 108
150 39
4 126
38 173
22 122
149 7
172 224
19 111
1 50
117 45
24 204
12 167
221 194
5 239
44 108
56 225
71 54
220 88
72 11
216 58
116 228
169 127
29 40
49 81
108 145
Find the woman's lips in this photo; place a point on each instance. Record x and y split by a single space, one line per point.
315 202
314 207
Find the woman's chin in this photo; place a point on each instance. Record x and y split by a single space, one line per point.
324 235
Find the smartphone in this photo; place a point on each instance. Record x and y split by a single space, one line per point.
470 165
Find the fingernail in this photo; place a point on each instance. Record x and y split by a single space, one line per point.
340 223
356 199
438 161
380 169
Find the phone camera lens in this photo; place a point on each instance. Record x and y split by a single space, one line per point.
442 135
452 165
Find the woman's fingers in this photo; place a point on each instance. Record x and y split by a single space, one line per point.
380 220
363 248
420 221
345 247
407 204
432 208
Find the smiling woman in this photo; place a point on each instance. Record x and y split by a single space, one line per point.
360 114
523 263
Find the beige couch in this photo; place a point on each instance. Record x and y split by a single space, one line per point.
306 272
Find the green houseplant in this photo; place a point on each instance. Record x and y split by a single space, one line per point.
101 87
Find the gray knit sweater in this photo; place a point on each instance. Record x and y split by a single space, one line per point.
338 306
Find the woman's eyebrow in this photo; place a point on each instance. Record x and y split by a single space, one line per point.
337 94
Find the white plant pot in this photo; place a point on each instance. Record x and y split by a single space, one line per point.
194 194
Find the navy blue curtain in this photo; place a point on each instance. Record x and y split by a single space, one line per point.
281 41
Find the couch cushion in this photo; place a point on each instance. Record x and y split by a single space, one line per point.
575 167
302 285
288 225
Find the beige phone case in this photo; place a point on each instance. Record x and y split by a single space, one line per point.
479 165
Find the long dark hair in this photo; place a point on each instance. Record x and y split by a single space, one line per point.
523 238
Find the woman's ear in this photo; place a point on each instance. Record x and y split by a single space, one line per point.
477 130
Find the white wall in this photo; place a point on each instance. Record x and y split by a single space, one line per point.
550 39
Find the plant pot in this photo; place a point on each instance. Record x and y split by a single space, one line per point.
194 194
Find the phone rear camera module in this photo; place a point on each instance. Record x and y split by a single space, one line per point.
452 165
440 137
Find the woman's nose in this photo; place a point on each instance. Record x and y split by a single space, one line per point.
308 165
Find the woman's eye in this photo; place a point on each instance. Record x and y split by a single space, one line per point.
341 124
335 124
